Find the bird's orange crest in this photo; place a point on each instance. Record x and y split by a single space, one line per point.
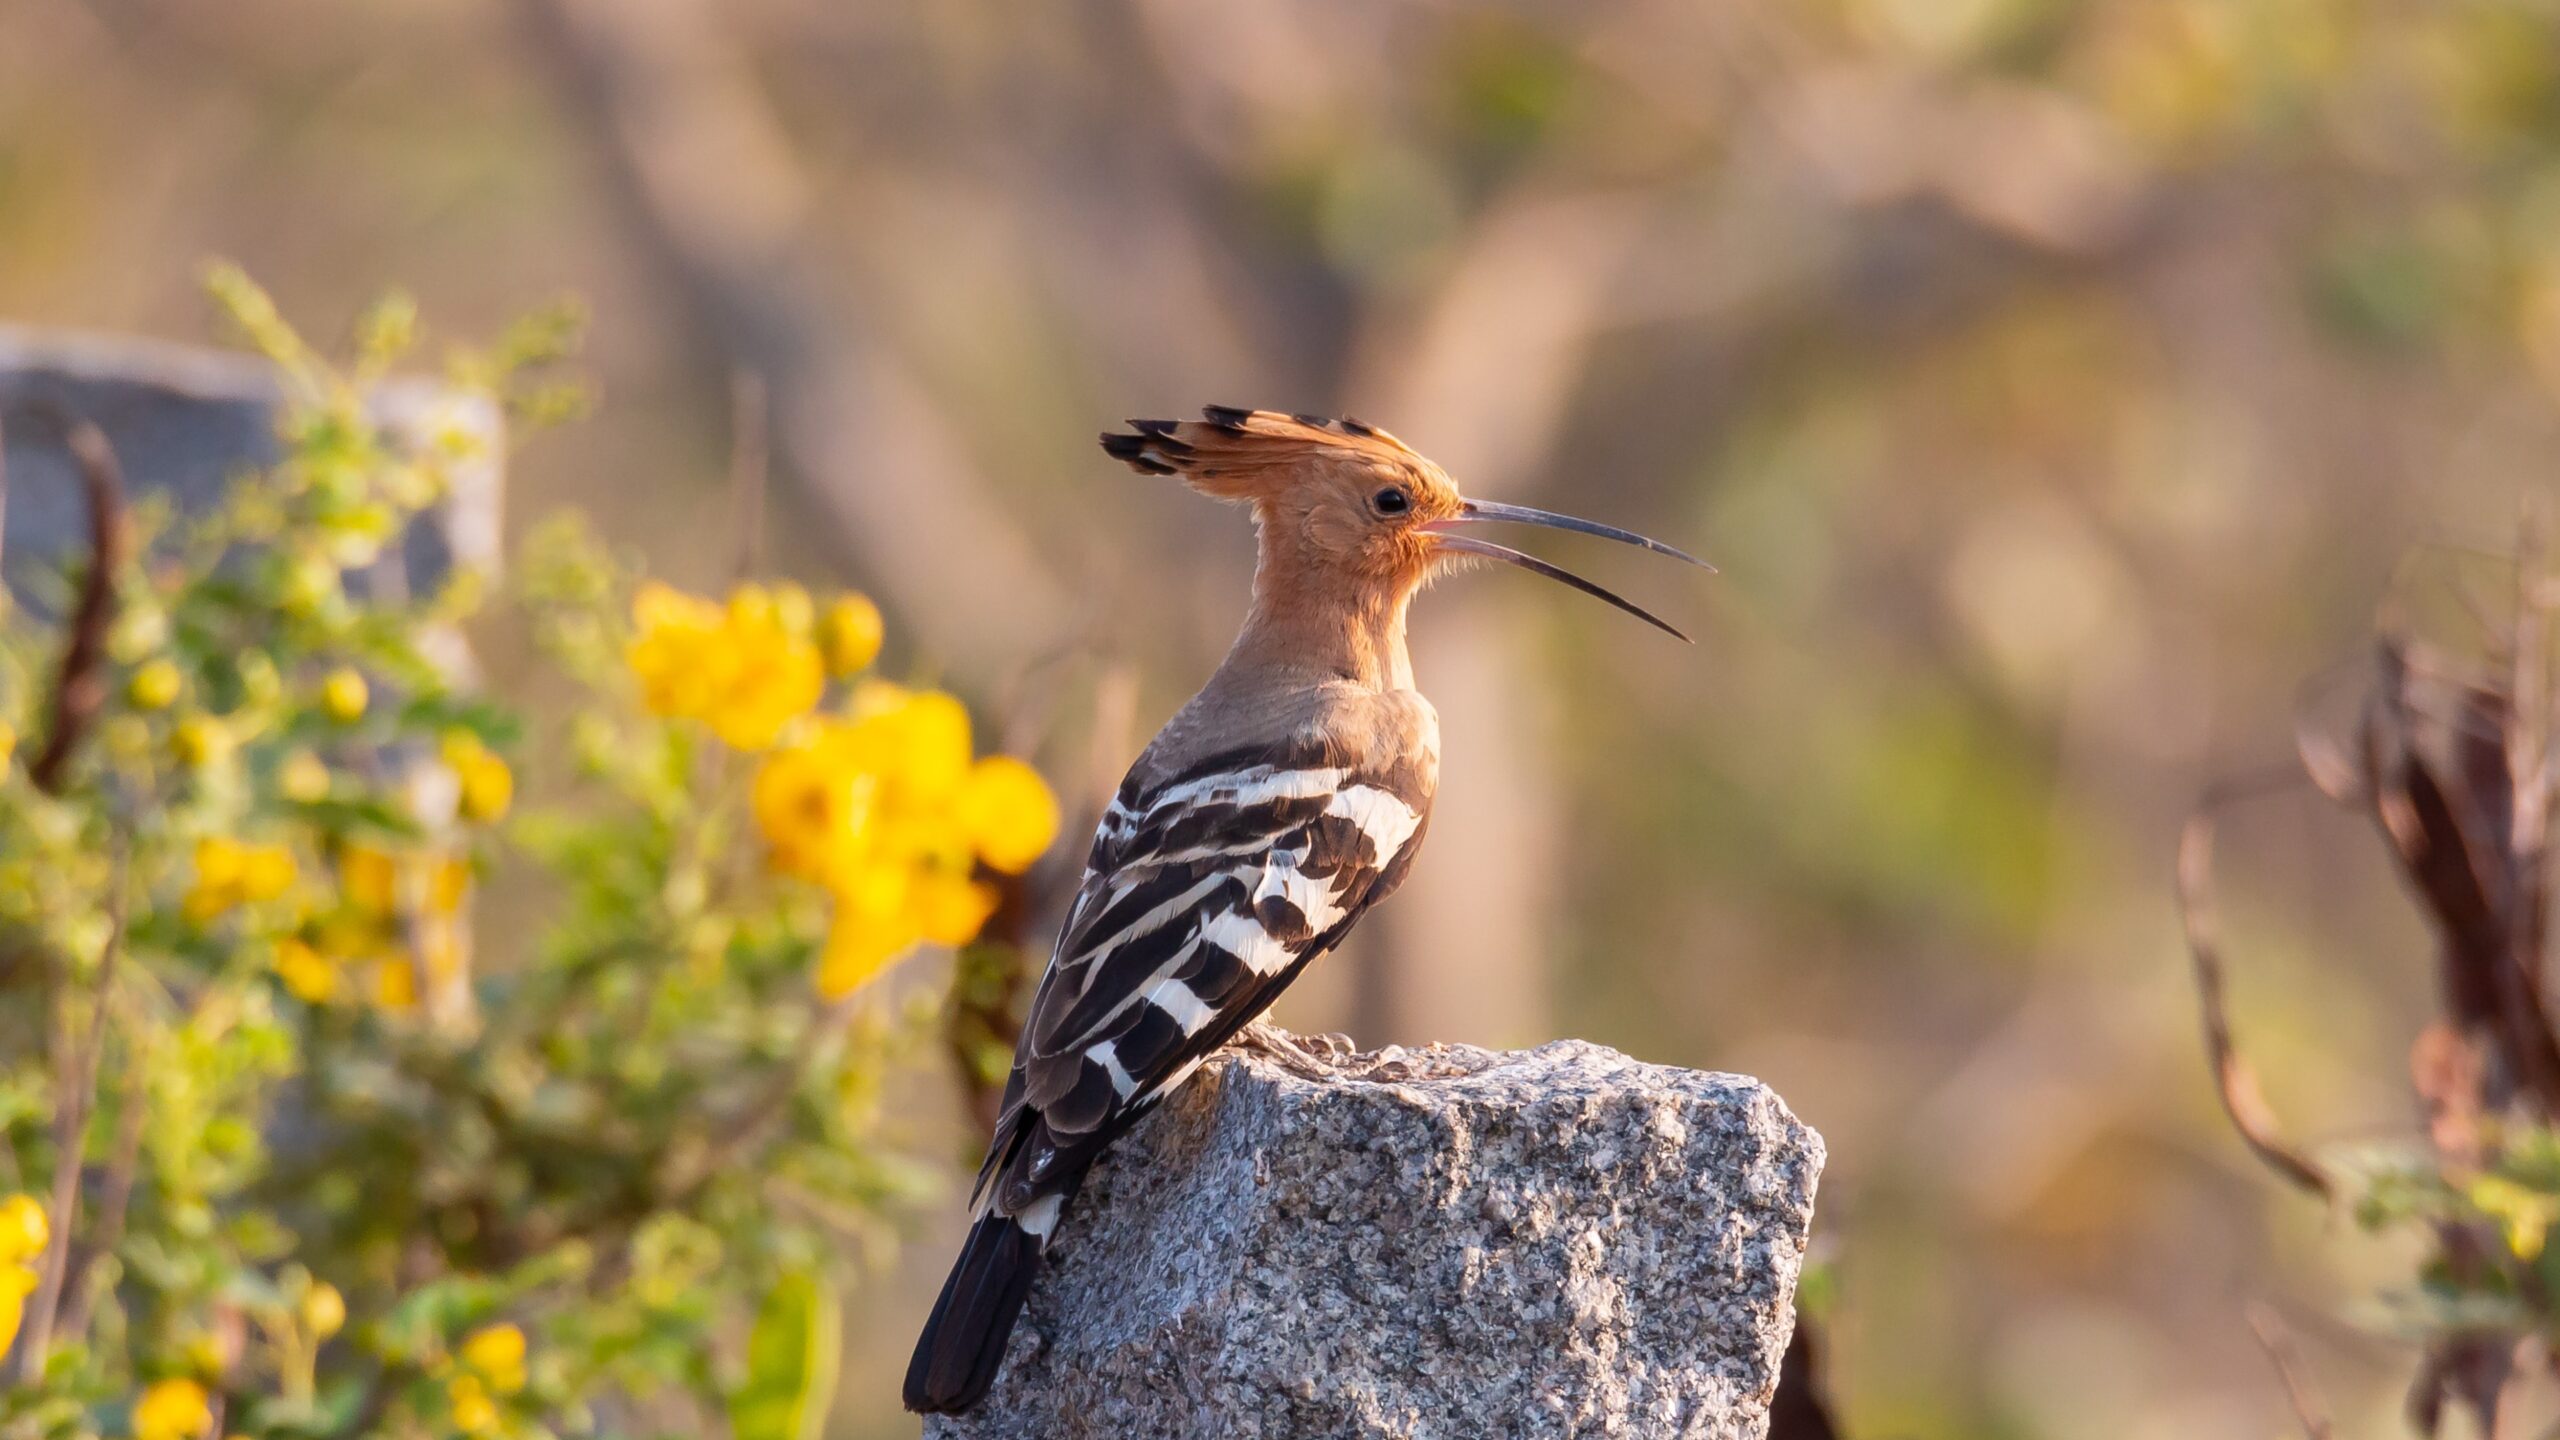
1355 495
1259 454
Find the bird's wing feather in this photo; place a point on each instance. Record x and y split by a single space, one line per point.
1206 891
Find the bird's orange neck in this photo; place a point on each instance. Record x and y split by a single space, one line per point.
1311 622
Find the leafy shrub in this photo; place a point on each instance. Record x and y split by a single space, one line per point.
297 1148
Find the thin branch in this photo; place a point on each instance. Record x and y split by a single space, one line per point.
2529 817
80 684
750 465
2242 1100
2334 771
115 1199
75 1094
2276 1338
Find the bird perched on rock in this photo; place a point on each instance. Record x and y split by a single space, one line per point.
1265 819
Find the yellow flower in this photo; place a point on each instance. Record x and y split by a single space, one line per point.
305 971
884 807
497 1353
751 605
370 878
266 871
199 741
488 786
344 695
23 1231
1009 813
474 1413
448 885
922 738
324 1310
230 874
879 890
773 680
850 634
395 984
172 1410
675 632
743 669
23 1235
8 742
304 777
856 951
155 686
788 604
17 1282
950 909
812 802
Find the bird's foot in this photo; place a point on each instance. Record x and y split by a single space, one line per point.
1312 1057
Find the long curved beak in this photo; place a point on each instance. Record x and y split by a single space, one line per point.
1475 511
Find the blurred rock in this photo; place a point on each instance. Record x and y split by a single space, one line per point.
185 421
1439 1243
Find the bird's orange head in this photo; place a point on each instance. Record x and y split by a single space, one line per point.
1346 501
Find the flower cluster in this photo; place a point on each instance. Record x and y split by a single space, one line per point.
23 1235
491 1368
389 916
176 1409
393 915
483 785
230 874
884 807
878 801
745 669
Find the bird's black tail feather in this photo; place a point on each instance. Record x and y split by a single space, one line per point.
963 1343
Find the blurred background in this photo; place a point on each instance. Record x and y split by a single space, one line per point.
2059 386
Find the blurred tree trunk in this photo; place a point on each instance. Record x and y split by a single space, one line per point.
709 181
1483 383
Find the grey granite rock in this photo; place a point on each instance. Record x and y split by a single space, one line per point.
1435 1245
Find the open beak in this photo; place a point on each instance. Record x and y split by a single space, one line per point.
1480 511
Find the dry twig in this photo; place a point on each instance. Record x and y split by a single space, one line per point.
2276 1338
2242 1099
75 1074
114 1200
80 684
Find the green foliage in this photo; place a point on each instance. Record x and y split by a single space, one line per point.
2489 1266
791 1363
350 1163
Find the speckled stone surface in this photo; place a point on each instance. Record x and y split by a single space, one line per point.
1444 1244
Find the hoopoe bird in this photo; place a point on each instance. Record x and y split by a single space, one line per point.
1287 798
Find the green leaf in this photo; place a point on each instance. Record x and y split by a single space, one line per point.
791 1362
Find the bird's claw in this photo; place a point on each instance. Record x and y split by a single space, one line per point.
1311 1057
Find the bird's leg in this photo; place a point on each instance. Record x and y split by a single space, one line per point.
1285 1050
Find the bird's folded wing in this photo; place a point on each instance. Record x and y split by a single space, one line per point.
1204 894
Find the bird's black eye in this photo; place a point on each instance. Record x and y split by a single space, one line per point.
1392 500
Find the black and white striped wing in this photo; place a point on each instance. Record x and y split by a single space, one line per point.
1204 897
